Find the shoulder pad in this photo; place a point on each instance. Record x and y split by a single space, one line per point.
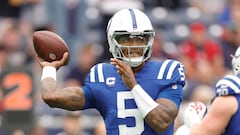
229 85
100 72
96 74
172 70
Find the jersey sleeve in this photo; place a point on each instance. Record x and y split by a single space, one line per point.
89 97
173 73
229 85
92 80
178 75
173 93
95 83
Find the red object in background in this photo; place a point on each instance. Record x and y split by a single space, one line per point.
210 49
197 27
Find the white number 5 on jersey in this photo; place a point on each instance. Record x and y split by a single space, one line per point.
123 113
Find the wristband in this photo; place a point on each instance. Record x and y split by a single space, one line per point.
144 102
49 71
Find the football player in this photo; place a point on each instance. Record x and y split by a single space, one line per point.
224 114
133 94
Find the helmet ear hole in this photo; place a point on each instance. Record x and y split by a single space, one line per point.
237 68
236 65
236 62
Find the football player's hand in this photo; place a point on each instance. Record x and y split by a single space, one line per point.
125 72
194 113
57 64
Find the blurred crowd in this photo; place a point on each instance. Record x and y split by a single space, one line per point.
202 34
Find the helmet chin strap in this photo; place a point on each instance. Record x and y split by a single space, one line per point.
133 62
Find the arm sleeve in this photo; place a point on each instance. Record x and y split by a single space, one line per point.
89 98
173 89
173 93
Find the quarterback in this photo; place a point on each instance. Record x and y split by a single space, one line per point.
134 95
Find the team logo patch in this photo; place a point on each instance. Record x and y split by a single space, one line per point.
174 86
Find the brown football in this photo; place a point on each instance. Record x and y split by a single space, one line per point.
49 46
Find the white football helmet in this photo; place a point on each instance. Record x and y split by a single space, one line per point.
130 23
236 62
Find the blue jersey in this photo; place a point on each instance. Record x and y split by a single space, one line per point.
105 91
230 85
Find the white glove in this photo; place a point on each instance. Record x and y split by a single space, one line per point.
194 113
182 130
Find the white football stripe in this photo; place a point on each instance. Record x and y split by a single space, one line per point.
235 78
229 84
172 67
162 69
100 73
92 74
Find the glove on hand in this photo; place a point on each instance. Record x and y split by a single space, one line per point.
194 113
182 130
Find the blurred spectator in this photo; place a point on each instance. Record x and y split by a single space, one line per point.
68 19
235 13
72 125
38 130
12 39
18 132
229 13
230 42
202 58
198 49
211 7
169 4
11 8
230 21
159 51
14 8
203 93
15 46
108 7
204 76
3 66
3 57
1 102
86 58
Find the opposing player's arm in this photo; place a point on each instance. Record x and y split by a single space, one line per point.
162 116
217 118
70 98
